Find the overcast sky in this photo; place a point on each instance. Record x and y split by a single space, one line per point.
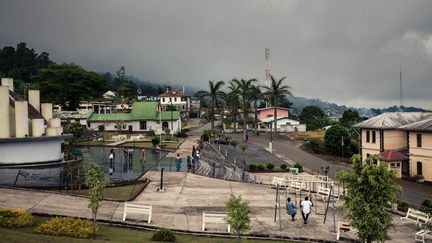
344 51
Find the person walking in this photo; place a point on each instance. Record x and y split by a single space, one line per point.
178 162
111 162
306 209
189 163
291 209
130 152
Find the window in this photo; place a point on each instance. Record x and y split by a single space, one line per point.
367 136
170 99
163 99
367 155
175 99
419 168
419 140
183 107
164 124
143 125
373 137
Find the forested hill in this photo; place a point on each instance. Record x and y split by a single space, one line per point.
298 103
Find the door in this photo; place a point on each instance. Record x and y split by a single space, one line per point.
130 129
405 168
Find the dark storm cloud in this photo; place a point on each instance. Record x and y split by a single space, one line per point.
342 51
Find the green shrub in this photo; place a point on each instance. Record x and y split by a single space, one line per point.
10 218
402 206
155 141
253 167
299 167
163 235
270 166
70 227
283 166
427 204
206 135
261 167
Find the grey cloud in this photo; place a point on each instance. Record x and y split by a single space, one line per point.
342 51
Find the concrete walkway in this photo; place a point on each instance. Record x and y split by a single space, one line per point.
186 197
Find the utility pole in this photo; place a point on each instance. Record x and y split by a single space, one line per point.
400 88
267 71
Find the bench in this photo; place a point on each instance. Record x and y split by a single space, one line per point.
214 218
297 187
137 209
416 216
420 236
343 227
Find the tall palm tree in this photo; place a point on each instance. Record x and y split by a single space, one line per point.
244 92
276 91
256 95
214 95
233 99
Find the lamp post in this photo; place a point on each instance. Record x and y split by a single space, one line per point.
172 125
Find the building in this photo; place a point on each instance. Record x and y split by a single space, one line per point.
29 135
284 124
144 117
402 140
269 112
67 117
177 100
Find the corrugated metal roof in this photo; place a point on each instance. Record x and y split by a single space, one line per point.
424 125
393 120
140 111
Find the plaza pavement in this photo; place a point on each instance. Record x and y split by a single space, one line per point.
186 197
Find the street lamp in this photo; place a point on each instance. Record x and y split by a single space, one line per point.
172 124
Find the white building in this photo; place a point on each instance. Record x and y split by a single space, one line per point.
145 117
284 124
177 99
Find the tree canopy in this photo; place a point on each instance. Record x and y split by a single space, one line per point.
68 84
370 188
313 117
349 118
337 139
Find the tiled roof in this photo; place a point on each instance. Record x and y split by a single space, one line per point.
393 120
390 155
140 111
173 93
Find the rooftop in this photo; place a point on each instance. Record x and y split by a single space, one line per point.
173 93
423 125
272 108
393 120
140 111
390 155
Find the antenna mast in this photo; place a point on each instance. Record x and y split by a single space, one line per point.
267 70
401 88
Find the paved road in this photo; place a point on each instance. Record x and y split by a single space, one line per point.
413 193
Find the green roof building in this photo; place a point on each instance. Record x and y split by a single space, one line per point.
144 117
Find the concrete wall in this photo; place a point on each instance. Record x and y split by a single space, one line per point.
46 111
4 112
34 99
151 126
8 82
395 139
30 151
423 154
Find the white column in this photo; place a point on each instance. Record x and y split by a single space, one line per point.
34 99
46 110
38 127
4 112
8 82
21 119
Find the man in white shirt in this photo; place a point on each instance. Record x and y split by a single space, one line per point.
306 209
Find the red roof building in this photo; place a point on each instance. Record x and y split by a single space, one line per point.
391 155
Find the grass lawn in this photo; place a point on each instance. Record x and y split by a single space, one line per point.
107 233
301 136
121 193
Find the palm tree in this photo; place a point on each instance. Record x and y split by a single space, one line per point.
244 91
215 95
256 95
233 98
276 91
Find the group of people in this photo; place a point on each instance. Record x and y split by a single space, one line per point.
128 159
190 160
305 209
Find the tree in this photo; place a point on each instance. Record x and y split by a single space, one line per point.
96 183
239 215
68 84
155 141
75 129
256 95
337 139
313 117
370 188
245 87
349 118
275 92
233 98
214 95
